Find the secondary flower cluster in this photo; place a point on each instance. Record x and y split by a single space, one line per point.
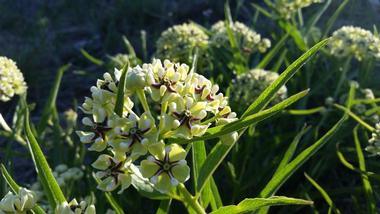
182 104
119 60
179 42
249 41
248 86
356 42
286 8
11 79
74 208
19 203
374 142
64 176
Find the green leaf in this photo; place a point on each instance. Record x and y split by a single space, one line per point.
272 53
355 117
323 193
262 10
15 188
270 91
91 58
199 157
220 150
333 18
51 102
252 204
129 47
295 34
280 177
218 131
164 206
50 185
119 105
292 148
362 166
216 200
313 21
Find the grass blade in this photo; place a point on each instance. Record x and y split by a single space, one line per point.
252 204
199 157
51 102
129 46
323 193
292 148
119 105
50 185
272 53
362 166
333 18
164 206
276 182
15 188
91 58
270 91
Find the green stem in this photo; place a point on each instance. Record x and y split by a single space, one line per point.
355 117
343 76
190 200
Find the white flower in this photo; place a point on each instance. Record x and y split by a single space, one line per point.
11 79
374 142
249 40
286 8
354 41
24 201
178 43
74 208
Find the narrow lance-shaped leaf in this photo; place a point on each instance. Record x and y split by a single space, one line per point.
323 193
285 76
362 166
15 188
272 53
220 150
292 148
51 102
119 105
91 58
279 179
252 204
50 185
164 207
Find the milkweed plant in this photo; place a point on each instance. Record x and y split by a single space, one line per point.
163 130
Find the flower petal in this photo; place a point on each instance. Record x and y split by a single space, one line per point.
148 168
176 152
181 172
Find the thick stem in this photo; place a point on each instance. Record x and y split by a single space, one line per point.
190 200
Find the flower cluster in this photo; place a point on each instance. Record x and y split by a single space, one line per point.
179 42
356 42
24 201
74 208
374 142
286 8
11 79
63 174
248 86
249 40
181 104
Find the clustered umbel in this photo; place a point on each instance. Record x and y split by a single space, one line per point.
374 141
11 79
286 8
73 207
64 176
179 43
19 203
247 87
248 40
354 41
162 101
